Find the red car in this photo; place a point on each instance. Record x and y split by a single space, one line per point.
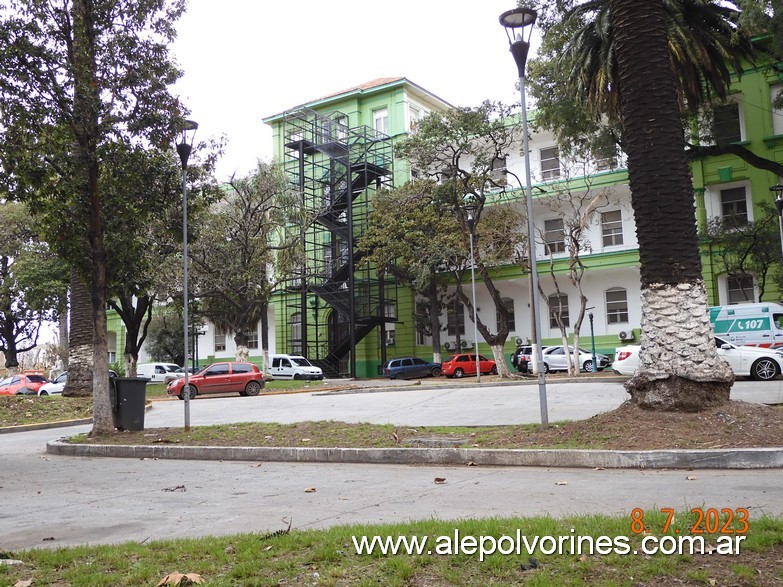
465 364
22 384
229 377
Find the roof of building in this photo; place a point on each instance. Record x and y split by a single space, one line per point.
369 86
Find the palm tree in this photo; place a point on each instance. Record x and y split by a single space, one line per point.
80 340
704 46
678 367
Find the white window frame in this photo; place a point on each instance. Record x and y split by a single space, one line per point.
616 310
734 101
512 321
548 169
380 121
552 245
777 114
562 298
725 289
726 217
219 339
612 230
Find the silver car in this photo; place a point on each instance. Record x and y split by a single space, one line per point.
555 359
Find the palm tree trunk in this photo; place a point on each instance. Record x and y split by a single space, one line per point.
679 368
79 340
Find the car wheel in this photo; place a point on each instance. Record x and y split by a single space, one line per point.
546 368
494 370
296 377
392 376
764 369
435 372
43 393
458 373
189 390
253 388
588 366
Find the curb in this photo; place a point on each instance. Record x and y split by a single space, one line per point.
44 425
748 458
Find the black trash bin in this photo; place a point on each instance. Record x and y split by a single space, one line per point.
127 401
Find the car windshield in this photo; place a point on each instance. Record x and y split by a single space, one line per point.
301 362
6 381
172 368
450 359
37 379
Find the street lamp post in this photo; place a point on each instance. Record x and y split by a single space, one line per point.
184 147
516 22
470 209
594 367
778 191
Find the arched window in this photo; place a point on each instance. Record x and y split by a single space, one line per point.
616 305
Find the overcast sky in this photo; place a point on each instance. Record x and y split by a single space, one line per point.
244 60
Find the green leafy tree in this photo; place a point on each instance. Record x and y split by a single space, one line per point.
32 283
412 234
743 249
460 149
77 78
165 338
679 368
243 244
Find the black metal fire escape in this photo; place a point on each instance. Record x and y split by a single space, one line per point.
337 169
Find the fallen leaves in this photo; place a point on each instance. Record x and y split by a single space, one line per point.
691 478
180 579
175 488
440 480
561 482
310 490
25 583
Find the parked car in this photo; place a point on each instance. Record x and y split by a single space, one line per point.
54 387
57 386
555 359
747 361
409 367
226 377
465 364
522 357
159 372
292 367
22 384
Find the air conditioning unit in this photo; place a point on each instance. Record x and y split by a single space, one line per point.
464 344
448 346
625 335
518 341
390 338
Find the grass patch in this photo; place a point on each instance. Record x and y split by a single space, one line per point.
329 557
16 410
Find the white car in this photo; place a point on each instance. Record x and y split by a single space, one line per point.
55 387
555 359
748 361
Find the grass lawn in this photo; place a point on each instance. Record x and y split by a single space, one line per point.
329 557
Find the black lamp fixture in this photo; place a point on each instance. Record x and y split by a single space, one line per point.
185 142
470 208
516 22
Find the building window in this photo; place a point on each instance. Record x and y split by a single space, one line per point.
612 228
616 305
220 339
607 159
554 237
558 306
414 116
550 163
777 113
498 172
455 314
734 207
252 340
296 333
509 304
380 121
740 289
341 127
727 124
